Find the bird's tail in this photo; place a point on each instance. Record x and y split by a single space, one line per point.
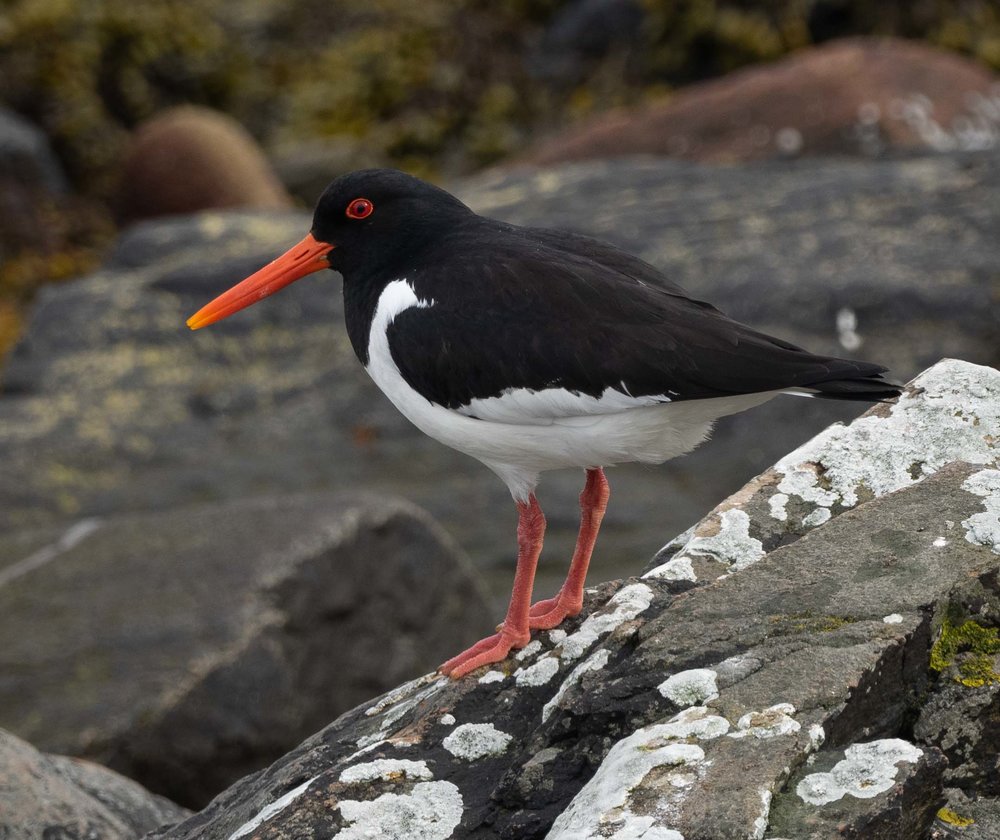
873 388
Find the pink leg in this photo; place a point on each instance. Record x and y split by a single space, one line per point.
514 632
569 600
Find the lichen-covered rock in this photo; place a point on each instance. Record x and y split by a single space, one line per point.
775 699
943 416
50 796
188 648
877 790
966 817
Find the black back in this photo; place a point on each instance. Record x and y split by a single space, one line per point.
517 307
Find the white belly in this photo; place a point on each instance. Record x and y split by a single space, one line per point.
605 431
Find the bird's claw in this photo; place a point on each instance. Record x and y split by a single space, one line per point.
492 649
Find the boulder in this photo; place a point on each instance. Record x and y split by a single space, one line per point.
857 96
771 697
110 404
50 796
187 159
26 155
187 648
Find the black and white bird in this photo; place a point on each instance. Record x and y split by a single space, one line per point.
531 350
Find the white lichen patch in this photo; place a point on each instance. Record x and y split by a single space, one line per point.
771 722
817 736
557 635
592 663
777 504
948 417
623 606
529 649
539 673
275 807
447 719
472 741
492 677
892 618
401 692
386 768
984 528
431 811
696 722
602 807
940 542
731 544
865 771
690 688
815 518
678 568
396 704
759 828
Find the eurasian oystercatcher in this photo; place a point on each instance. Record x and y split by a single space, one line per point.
533 350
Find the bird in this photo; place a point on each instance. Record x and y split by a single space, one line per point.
534 349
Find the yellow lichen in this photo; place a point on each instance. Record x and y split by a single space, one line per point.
969 650
946 815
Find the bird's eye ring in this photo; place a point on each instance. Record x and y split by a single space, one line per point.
360 208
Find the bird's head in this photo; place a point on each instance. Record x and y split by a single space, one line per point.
363 220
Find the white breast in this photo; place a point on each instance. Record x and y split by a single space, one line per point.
523 433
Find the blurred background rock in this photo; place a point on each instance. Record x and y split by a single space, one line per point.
440 88
857 214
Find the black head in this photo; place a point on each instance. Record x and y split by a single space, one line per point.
376 217
365 222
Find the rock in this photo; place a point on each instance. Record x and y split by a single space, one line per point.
968 818
187 159
110 404
939 419
190 647
858 96
32 186
51 796
879 790
582 33
26 155
772 700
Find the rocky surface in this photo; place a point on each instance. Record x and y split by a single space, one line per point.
774 697
858 96
45 797
188 159
110 404
188 648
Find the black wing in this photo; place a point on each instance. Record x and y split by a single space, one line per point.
545 309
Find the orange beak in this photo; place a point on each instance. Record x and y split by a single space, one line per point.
302 259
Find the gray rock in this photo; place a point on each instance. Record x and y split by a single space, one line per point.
773 700
879 790
110 404
190 647
26 156
969 818
43 797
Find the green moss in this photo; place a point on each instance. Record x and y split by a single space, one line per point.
946 815
968 650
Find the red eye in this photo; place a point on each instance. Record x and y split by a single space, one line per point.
360 208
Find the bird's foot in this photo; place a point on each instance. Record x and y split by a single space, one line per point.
492 649
550 613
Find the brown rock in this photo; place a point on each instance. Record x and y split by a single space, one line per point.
188 159
855 96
